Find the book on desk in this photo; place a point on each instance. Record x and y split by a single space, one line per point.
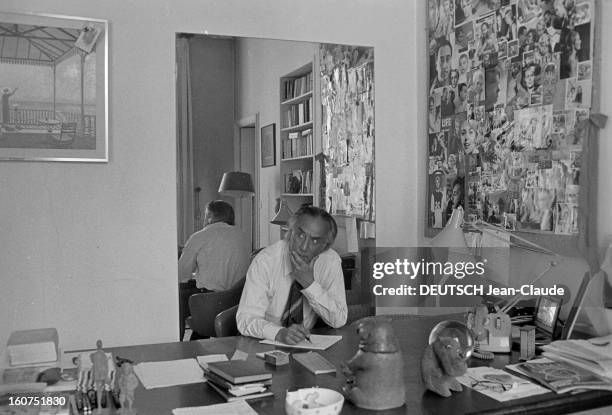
239 379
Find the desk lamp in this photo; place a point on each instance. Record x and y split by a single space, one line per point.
492 338
450 244
283 214
524 244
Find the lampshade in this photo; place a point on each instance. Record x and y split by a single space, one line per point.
283 214
452 234
236 184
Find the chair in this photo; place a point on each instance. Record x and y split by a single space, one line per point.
225 323
204 307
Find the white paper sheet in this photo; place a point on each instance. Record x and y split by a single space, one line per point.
230 408
169 373
317 342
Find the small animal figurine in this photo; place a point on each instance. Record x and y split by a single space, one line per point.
127 382
445 357
375 375
99 373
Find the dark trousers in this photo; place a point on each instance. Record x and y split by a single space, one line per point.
186 289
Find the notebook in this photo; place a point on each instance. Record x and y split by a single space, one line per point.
317 342
240 371
314 362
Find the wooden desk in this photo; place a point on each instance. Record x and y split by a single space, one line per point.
413 333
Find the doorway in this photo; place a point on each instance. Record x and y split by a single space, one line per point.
245 151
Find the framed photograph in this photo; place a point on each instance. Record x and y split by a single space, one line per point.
54 88
268 145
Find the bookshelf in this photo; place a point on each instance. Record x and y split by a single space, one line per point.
298 138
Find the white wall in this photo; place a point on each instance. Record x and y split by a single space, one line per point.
91 249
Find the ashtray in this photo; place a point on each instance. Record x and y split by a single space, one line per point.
310 401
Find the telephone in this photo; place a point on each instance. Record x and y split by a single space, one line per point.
492 329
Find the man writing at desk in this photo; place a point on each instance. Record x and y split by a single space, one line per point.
293 281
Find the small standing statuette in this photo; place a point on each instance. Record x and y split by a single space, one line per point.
99 373
127 382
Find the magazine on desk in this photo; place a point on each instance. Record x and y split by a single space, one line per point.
561 376
594 354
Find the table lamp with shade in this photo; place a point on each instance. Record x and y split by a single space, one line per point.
236 184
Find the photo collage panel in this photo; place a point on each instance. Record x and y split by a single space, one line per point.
510 85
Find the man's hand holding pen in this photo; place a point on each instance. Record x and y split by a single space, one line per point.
293 334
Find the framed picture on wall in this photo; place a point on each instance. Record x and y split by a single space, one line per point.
54 88
268 145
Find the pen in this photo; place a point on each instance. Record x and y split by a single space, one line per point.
307 335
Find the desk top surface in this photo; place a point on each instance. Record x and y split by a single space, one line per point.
413 333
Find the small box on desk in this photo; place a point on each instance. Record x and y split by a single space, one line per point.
28 347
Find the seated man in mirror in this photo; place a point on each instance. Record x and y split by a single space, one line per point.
293 281
216 257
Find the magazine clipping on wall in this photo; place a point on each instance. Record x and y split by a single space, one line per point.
510 80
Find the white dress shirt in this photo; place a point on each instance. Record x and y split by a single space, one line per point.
266 291
219 255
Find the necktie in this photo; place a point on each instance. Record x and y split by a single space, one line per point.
293 313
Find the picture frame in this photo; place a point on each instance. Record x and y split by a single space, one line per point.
268 145
54 88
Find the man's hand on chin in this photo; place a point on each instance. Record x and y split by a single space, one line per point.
303 271
292 335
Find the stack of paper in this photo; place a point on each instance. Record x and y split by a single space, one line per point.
594 354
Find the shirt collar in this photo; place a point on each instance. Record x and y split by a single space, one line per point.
287 267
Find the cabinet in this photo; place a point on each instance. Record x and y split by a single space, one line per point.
298 138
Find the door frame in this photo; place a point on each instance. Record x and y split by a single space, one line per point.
251 121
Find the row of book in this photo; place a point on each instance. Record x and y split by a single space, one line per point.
239 379
298 86
298 114
298 181
298 144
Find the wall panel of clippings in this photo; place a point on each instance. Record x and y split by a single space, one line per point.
347 99
510 80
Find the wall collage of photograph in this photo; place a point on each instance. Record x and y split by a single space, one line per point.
347 100
510 84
